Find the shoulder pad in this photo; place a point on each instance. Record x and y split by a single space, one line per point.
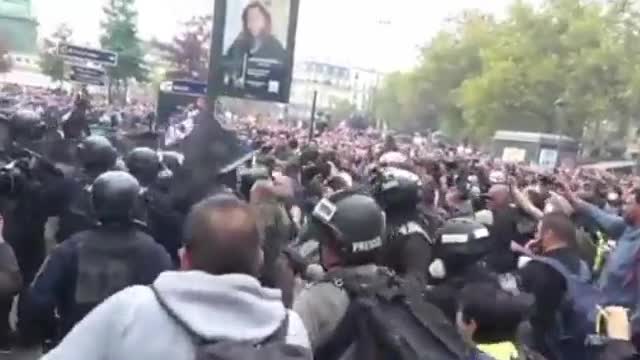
413 227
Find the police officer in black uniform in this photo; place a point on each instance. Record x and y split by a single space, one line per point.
70 198
163 221
94 264
461 245
408 250
351 230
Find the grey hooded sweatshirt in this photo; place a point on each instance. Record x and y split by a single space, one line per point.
132 325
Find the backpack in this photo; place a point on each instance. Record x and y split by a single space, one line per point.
272 348
578 313
390 319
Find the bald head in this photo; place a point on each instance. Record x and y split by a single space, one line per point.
499 196
221 237
262 190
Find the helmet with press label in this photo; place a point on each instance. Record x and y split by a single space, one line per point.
351 223
461 242
396 188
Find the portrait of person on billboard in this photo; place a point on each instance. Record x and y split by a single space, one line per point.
256 39
256 54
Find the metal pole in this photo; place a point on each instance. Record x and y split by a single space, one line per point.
214 80
312 123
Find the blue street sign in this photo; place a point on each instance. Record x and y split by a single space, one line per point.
105 57
185 87
89 80
87 71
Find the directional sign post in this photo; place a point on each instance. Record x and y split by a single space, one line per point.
89 80
87 71
105 57
87 75
185 87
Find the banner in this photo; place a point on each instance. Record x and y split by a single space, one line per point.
252 49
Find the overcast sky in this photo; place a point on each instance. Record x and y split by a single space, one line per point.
384 34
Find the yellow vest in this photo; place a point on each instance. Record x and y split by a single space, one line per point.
500 351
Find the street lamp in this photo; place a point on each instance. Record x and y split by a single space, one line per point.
560 105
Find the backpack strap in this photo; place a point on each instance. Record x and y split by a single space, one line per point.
583 276
280 335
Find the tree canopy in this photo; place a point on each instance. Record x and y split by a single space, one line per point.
188 54
120 34
566 66
50 63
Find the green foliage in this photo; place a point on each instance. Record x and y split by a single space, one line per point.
342 110
483 74
120 34
188 54
50 63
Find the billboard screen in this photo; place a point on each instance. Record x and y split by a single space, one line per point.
252 49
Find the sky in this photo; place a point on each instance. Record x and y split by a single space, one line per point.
381 34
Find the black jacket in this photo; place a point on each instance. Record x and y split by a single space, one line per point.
91 266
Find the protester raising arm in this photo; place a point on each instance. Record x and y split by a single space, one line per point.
525 204
613 225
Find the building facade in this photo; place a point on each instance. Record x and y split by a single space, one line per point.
335 84
18 27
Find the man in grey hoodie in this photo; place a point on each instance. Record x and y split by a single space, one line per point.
217 296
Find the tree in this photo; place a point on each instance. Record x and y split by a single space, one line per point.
481 74
342 109
50 63
188 54
120 34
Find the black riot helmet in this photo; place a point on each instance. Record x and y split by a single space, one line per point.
97 154
114 195
396 189
144 163
27 126
462 242
352 224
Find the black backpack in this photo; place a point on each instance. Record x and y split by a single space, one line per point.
273 348
389 319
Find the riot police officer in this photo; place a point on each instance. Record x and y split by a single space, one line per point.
94 264
409 247
70 199
460 247
144 164
351 230
156 210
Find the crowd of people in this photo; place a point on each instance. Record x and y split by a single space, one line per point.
344 245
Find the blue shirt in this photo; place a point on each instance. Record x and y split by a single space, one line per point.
620 278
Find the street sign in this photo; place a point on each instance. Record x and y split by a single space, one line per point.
89 80
185 87
105 57
87 71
